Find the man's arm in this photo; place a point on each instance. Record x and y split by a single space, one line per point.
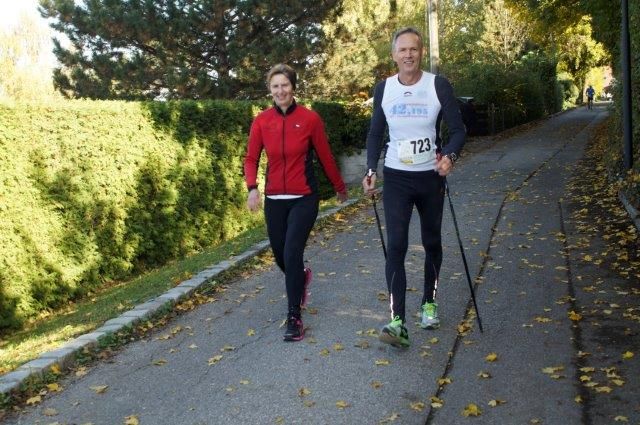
452 116
376 129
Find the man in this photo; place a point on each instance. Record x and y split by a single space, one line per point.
412 104
590 93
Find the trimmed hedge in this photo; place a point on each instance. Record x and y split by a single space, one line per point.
96 191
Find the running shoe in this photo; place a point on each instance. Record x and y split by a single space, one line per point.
307 281
295 329
430 316
395 333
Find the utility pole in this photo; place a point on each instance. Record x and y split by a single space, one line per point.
625 59
434 50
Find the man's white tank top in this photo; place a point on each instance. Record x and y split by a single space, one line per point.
411 113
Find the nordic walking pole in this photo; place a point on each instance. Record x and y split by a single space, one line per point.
375 209
464 258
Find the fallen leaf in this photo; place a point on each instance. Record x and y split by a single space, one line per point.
34 400
471 410
621 419
604 389
50 412
245 382
341 404
338 347
99 389
54 387
494 403
55 369
492 357
444 381
215 359
159 362
131 420
576 317
303 392
251 332
382 362
325 352
436 402
376 384
627 355
418 406
484 375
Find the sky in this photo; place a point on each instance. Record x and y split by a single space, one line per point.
10 11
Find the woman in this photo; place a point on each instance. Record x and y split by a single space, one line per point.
289 133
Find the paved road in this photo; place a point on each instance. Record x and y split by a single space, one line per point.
225 363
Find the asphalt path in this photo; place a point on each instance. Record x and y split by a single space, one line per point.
224 362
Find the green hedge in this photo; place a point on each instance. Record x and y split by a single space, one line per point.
97 191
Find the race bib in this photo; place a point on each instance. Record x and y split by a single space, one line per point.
416 151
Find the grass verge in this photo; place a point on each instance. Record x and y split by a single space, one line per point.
53 329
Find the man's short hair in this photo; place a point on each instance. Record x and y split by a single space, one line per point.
405 30
285 70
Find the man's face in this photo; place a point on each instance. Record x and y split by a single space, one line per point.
408 53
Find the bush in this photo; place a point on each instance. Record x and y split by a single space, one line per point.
97 191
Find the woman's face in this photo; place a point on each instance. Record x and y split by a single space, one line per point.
281 91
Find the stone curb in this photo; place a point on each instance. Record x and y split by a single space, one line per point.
633 213
65 355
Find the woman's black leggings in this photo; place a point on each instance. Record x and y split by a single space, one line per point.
403 190
289 223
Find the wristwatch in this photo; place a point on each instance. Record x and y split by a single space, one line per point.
453 157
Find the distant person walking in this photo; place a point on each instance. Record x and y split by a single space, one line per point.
590 93
412 103
290 134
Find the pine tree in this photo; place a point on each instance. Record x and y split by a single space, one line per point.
144 49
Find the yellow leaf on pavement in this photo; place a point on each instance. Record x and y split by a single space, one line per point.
55 369
382 362
418 406
376 384
341 404
491 357
471 410
131 420
627 355
99 389
621 419
436 402
302 392
251 332
215 359
494 403
50 412
576 317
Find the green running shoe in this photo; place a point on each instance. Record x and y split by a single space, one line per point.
430 316
395 333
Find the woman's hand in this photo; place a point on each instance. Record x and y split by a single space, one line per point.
253 200
342 196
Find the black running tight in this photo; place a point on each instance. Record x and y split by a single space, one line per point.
289 223
403 190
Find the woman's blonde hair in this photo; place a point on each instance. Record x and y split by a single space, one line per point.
285 70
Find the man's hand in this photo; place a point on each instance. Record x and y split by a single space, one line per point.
369 184
342 196
444 165
253 200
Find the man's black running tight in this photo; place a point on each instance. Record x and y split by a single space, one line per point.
402 191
